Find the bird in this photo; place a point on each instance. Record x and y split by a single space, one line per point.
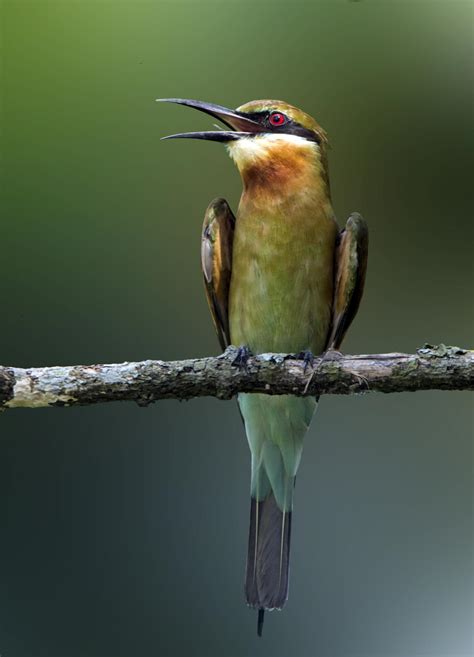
280 276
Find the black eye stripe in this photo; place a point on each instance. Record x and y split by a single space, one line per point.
289 127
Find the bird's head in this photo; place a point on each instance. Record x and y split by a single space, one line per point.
272 143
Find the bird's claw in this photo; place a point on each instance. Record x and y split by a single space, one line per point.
243 354
307 357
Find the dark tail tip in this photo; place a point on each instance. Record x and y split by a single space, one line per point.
260 619
266 582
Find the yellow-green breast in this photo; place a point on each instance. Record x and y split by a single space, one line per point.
282 274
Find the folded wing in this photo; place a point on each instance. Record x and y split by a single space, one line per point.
216 261
350 269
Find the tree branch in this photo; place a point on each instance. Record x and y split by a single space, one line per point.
431 368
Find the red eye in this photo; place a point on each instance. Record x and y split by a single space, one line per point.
277 119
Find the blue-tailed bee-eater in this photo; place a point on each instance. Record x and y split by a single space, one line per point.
280 277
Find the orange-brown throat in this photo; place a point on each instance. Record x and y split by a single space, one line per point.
275 169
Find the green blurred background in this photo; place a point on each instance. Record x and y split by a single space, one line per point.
124 530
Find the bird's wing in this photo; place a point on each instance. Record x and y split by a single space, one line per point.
216 260
350 268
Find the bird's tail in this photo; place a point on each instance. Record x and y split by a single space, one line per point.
268 558
275 429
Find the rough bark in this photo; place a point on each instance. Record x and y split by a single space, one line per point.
430 368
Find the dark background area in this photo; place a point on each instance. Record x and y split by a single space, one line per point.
124 530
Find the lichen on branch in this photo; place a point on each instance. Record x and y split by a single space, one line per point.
430 368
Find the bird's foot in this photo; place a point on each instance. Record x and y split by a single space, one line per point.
307 357
330 354
243 354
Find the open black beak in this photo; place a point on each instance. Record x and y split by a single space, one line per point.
240 124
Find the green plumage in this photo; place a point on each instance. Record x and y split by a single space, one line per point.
279 278
280 300
275 428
